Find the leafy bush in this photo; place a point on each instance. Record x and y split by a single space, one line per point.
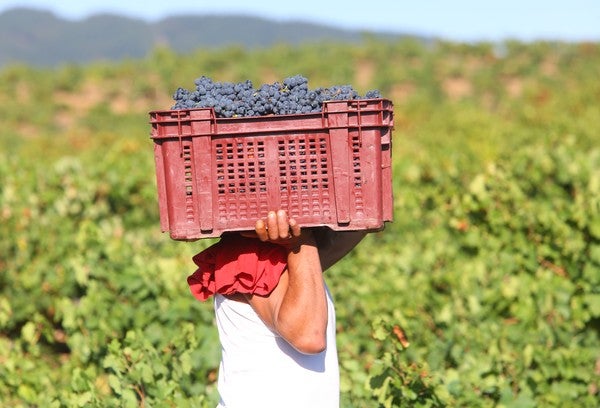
506 284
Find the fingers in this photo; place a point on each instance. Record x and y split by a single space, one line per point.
294 228
273 225
261 230
277 226
283 224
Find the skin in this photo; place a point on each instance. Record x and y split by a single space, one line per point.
297 308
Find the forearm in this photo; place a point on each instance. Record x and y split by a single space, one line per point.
302 315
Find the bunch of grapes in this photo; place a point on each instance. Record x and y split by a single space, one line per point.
291 96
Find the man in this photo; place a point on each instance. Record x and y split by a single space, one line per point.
277 333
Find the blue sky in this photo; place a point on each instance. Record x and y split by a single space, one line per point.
457 20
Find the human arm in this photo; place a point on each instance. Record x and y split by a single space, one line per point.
334 245
297 307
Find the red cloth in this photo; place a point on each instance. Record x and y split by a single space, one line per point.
237 264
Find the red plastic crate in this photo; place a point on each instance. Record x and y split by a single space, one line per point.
331 168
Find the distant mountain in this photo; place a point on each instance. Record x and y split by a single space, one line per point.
40 38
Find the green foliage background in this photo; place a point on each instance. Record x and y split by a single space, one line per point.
491 268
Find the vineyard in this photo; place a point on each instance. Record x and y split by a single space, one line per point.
483 292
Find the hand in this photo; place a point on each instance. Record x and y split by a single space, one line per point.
280 229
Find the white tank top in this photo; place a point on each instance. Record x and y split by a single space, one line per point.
260 369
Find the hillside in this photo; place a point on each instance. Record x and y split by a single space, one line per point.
41 38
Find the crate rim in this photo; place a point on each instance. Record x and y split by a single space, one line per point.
271 115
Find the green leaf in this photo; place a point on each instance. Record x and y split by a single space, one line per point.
115 384
379 330
5 311
594 227
592 300
84 399
26 392
528 355
29 333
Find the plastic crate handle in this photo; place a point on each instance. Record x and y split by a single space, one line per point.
179 133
